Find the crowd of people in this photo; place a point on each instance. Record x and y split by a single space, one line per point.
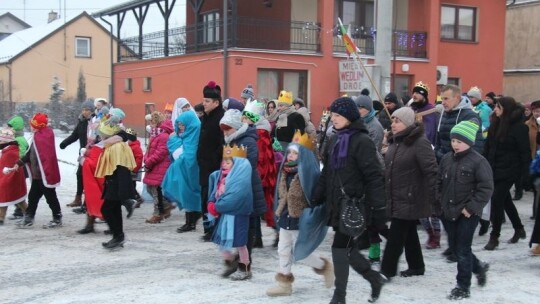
235 163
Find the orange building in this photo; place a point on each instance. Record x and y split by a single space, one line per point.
293 45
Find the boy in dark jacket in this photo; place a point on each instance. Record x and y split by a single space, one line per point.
465 185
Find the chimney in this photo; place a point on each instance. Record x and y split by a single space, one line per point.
52 16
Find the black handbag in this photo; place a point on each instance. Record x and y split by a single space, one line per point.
352 221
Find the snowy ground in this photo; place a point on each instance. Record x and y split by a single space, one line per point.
158 265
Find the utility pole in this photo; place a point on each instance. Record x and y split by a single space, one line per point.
383 42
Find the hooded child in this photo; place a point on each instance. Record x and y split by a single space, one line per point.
10 178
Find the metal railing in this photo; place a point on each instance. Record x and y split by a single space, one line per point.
243 32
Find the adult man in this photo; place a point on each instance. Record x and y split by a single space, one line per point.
391 103
480 107
210 148
457 108
420 105
368 114
80 133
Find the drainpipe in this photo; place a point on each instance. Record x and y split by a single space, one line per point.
111 93
10 88
225 46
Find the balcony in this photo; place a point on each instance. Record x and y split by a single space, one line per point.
243 32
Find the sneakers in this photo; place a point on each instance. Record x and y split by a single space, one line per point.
55 223
459 294
481 276
243 273
26 222
15 217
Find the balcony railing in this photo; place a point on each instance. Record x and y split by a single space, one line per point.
243 32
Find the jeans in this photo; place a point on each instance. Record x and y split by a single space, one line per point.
462 232
402 234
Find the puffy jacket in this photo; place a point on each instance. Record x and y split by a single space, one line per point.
79 133
137 154
17 124
156 159
411 174
465 180
463 112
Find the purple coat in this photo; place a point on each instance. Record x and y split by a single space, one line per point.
156 159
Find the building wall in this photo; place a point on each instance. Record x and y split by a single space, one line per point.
9 25
33 71
522 51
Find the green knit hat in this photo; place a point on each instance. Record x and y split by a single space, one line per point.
465 131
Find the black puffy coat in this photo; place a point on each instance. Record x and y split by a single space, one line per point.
119 186
465 180
79 133
210 150
248 139
362 174
509 158
411 175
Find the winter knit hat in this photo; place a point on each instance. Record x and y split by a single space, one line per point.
88 105
6 135
345 107
421 88
491 95
39 121
475 92
363 101
101 100
285 98
405 115
465 131
391 97
231 103
212 90
299 101
248 93
232 118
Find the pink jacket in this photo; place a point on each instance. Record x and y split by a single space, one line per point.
156 159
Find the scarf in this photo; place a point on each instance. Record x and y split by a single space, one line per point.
339 154
291 167
221 184
282 119
370 116
229 138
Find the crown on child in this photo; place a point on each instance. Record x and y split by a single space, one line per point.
303 140
234 151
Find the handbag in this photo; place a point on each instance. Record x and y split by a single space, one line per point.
352 221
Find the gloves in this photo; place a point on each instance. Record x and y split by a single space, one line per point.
63 145
212 209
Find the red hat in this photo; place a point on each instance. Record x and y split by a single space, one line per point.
39 121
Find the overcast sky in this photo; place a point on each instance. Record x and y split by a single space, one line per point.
35 12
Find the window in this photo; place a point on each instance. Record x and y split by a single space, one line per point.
458 23
147 84
82 47
454 81
128 85
359 15
271 82
211 23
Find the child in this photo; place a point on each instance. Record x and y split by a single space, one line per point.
136 174
115 165
299 174
465 186
16 123
10 178
232 205
44 170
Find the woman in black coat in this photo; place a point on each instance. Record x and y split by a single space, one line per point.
351 161
411 173
508 152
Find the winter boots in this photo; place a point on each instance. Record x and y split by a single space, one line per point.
493 243
374 254
459 294
284 285
434 239
129 204
536 250
89 228
230 267
243 273
114 243
412 272
76 202
327 272
481 276
518 234
340 257
363 267
191 222
484 227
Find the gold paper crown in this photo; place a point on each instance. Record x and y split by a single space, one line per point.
303 140
234 151
285 97
422 85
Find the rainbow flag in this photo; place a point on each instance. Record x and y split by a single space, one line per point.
350 47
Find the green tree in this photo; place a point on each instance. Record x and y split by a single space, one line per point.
81 88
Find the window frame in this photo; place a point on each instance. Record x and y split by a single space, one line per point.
456 25
362 30
281 74
211 32
147 84
89 45
128 85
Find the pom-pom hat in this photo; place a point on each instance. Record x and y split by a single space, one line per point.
39 121
212 90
